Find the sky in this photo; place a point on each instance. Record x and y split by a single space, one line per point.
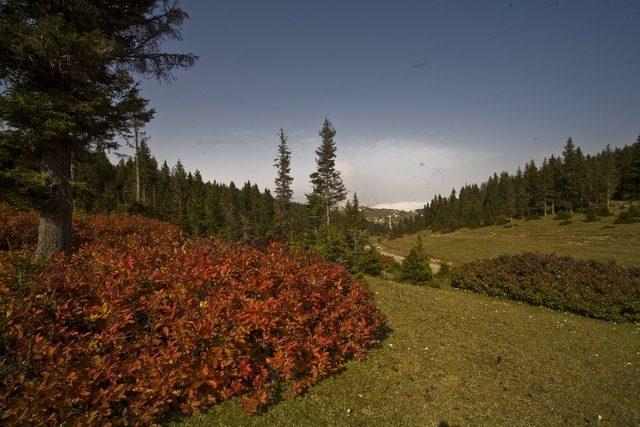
424 95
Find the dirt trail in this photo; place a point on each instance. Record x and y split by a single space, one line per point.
435 267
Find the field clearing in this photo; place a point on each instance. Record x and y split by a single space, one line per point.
468 359
601 240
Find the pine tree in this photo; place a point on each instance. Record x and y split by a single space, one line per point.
570 182
66 71
326 181
283 182
179 188
196 213
608 175
415 267
232 220
283 168
634 170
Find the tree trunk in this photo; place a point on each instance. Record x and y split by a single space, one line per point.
328 217
135 138
54 232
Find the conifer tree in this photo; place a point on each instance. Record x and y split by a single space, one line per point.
232 221
179 188
415 267
608 175
196 200
283 181
326 181
283 174
570 182
66 71
634 170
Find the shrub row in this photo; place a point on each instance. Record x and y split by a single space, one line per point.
19 229
589 288
140 322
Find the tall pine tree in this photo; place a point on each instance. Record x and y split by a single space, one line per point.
283 182
66 71
326 180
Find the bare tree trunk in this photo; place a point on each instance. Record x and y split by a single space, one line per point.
54 232
135 138
328 217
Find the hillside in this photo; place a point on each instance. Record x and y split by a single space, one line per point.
601 240
381 216
468 360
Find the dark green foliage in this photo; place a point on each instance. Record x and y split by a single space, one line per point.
565 222
502 220
589 288
415 267
283 182
67 76
445 269
326 181
591 214
628 216
562 215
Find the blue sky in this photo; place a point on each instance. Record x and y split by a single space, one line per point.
424 95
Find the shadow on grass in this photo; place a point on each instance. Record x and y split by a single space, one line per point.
280 390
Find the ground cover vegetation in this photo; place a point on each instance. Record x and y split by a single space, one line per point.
140 322
460 358
586 287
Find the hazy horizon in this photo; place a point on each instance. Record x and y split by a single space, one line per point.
425 96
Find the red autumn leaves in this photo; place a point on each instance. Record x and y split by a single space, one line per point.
141 322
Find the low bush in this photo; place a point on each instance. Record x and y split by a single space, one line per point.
389 264
628 216
19 229
140 322
591 214
589 288
603 211
503 220
562 215
565 222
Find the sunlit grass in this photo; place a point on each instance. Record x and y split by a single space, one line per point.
601 240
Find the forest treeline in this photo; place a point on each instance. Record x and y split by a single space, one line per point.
572 182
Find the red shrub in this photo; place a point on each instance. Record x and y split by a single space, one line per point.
17 228
130 328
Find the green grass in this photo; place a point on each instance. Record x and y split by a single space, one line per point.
600 240
470 359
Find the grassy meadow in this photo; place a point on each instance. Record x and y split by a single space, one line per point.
601 240
469 360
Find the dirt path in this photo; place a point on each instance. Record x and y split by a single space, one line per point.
435 267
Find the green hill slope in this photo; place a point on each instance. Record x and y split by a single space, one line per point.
601 240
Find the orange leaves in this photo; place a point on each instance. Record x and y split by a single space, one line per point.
140 322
